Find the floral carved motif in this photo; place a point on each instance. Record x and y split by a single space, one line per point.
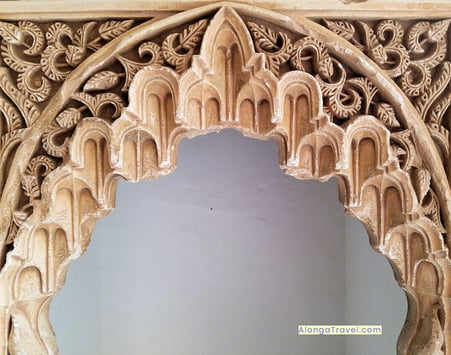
83 104
36 59
416 57
347 95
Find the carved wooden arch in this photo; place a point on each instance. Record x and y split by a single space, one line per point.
83 104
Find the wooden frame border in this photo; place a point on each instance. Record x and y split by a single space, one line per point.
88 98
374 9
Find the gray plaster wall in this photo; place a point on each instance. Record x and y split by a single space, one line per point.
227 255
372 296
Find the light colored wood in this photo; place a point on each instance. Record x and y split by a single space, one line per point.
85 102
359 9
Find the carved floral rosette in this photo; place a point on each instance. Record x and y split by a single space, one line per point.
83 104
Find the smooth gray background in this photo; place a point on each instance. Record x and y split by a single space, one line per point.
227 255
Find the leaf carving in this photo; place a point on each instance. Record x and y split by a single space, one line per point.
265 38
431 93
97 103
431 208
172 57
10 33
421 179
405 141
18 219
75 55
27 84
368 89
191 36
9 139
277 47
344 29
104 80
30 187
51 140
413 38
57 32
390 32
11 59
108 99
438 30
397 150
423 32
374 49
152 49
188 40
439 109
11 116
40 165
36 33
131 67
29 110
386 114
83 33
86 99
112 29
68 118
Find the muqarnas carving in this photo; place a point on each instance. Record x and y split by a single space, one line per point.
85 103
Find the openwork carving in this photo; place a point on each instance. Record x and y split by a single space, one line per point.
83 104
416 58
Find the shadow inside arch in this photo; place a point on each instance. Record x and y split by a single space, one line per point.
226 253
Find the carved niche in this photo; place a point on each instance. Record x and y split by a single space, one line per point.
85 103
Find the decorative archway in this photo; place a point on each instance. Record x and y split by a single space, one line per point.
84 103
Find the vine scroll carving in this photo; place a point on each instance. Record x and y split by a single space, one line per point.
84 103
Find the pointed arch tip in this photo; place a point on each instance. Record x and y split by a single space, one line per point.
329 97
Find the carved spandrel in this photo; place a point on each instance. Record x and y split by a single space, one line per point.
415 55
36 59
344 97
